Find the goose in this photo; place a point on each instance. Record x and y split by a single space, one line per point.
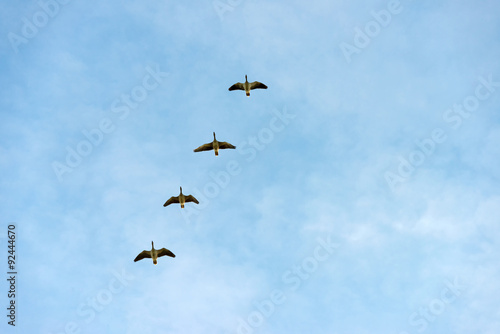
215 145
247 86
153 254
182 199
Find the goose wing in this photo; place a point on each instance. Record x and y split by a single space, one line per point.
236 86
257 85
204 147
173 199
142 255
190 198
164 251
223 144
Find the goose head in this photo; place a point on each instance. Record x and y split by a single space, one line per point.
181 190
246 80
214 135
152 245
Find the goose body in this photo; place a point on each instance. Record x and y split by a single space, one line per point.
181 199
153 254
215 145
247 86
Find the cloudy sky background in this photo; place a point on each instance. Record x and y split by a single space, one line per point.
316 177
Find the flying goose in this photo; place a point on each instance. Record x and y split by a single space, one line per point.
182 199
215 145
153 254
247 86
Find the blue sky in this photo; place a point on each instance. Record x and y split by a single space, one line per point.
363 195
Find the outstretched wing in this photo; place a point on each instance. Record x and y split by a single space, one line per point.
204 147
223 144
257 85
171 200
142 255
190 198
236 86
164 251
